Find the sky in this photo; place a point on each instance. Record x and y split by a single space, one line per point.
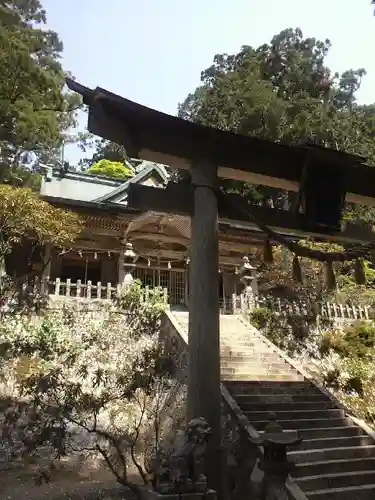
153 51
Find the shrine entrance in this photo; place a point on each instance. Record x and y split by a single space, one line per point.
174 281
209 155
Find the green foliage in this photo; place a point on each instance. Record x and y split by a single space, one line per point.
88 380
353 382
283 91
260 317
292 333
141 315
357 341
103 150
347 367
111 169
23 215
36 112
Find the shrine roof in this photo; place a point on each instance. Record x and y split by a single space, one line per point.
119 195
97 189
155 136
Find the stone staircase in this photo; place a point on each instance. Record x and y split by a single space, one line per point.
336 460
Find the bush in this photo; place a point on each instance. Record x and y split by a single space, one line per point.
353 382
294 334
110 168
357 341
89 383
260 317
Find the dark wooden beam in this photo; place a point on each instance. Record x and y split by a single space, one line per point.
178 199
155 136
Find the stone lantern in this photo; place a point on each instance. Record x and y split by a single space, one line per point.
248 277
275 463
130 258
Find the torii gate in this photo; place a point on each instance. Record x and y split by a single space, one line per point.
323 178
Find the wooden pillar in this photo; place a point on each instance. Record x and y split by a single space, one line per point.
186 278
120 268
158 271
204 396
46 271
254 283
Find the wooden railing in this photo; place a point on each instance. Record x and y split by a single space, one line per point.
88 290
237 304
330 310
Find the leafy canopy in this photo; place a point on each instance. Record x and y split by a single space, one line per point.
24 215
36 112
284 91
111 169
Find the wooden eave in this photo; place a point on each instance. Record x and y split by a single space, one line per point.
91 207
116 217
155 136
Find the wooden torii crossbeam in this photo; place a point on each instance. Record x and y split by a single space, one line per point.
166 139
179 199
323 179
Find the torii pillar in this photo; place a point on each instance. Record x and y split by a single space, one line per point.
204 396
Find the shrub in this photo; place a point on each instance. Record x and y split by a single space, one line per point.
110 168
260 317
294 334
87 383
357 341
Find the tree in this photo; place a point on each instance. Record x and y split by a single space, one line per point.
84 391
110 168
27 223
36 112
283 91
103 150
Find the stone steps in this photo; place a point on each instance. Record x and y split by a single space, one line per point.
293 415
312 454
255 377
227 367
336 442
275 389
336 460
272 407
362 492
304 424
269 398
329 432
343 465
237 364
336 480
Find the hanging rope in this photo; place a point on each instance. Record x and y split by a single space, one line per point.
296 248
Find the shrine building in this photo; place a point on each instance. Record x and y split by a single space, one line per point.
160 242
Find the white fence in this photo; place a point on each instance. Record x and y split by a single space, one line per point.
89 290
339 313
237 304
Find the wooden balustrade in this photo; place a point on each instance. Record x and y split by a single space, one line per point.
330 310
341 314
89 290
